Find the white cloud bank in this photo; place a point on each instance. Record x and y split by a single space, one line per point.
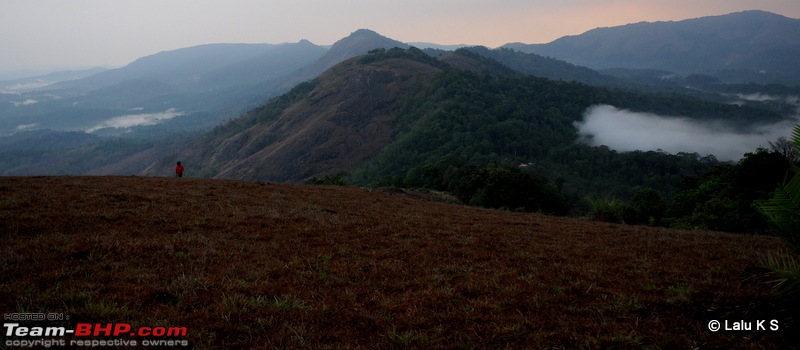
131 120
625 131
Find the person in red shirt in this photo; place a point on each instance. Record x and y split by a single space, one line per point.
179 170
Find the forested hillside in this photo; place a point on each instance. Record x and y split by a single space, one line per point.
462 123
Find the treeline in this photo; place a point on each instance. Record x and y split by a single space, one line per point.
506 141
490 121
727 197
46 152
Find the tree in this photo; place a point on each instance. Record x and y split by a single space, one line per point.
787 148
649 205
509 188
725 198
783 211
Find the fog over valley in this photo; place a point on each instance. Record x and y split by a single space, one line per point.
624 131
131 120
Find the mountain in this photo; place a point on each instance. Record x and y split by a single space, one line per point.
402 118
268 68
481 104
545 67
214 66
204 83
156 101
179 67
754 44
339 120
357 43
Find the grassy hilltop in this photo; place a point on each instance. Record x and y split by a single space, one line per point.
253 264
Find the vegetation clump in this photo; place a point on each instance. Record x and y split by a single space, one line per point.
783 212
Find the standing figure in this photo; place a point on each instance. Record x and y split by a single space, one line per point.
179 170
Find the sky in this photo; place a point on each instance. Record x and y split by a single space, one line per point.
57 34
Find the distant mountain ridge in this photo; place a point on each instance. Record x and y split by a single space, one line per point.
211 83
207 85
393 112
357 43
208 82
179 67
758 44
20 85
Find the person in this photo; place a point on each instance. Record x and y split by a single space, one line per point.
179 170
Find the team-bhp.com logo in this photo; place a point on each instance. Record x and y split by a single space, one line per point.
122 334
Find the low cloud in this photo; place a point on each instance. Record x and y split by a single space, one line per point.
757 97
131 120
27 102
24 127
625 131
18 88
793 100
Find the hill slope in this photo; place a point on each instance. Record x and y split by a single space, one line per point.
249 264
754 42
333 123
396 117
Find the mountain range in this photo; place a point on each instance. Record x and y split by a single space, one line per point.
207 84
355 103
211 83
745 46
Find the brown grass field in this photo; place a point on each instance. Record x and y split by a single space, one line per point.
261 265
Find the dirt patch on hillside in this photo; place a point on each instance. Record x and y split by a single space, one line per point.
251 264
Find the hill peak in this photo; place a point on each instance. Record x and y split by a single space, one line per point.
363 40
757 14
364 31
357 43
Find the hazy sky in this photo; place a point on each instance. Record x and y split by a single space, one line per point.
45 34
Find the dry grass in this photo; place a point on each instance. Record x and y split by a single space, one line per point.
249 264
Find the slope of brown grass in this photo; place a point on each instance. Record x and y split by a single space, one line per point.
249 264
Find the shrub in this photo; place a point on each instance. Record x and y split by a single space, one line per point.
337 179
499 187
784 272
611 210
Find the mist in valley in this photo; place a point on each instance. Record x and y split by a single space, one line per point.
624 131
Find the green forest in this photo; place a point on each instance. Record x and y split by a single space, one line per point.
508 141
